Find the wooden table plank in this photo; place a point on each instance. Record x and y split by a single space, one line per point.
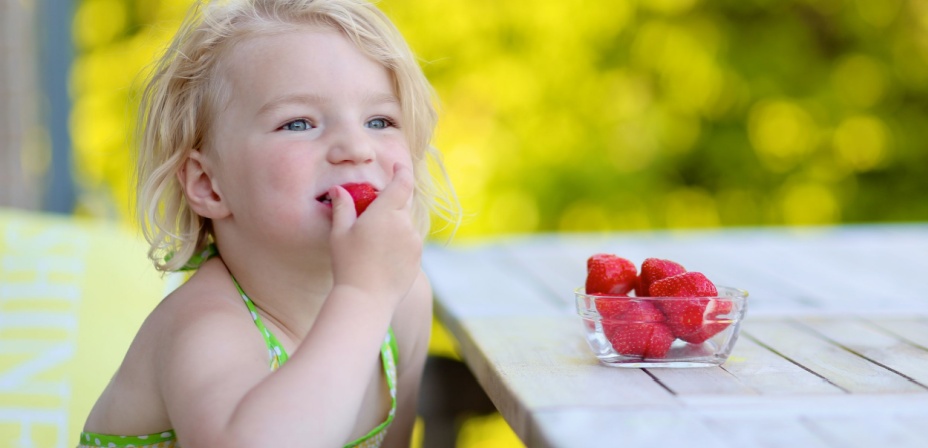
861 264
811 405
770 374
819 418
478 282
867 431
766 431
545 364
550 267
890 352
527 364
621 428
843 281
708 380
912 329
915 423
734 423
840 367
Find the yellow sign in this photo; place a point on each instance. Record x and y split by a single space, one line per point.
72 295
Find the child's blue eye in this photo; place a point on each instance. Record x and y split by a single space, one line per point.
297 125
379 123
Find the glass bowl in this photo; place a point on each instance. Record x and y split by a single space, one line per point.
628 331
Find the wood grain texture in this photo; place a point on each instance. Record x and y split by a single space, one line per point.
912 329
878 347
530 364
768 373
832 362
480 282
621 428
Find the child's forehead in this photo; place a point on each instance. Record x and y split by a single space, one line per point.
293 42
311 48
310 61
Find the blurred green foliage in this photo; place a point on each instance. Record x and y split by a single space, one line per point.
588 115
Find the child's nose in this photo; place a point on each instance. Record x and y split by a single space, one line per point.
350 144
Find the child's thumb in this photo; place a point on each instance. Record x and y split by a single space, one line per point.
343 211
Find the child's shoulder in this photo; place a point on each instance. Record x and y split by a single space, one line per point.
204 308
197 328
196 332
412 320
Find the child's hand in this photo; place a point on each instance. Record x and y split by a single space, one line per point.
378 252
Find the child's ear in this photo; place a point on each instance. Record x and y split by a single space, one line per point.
203 194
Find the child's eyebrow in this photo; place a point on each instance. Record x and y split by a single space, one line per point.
316 99
382 98
294 98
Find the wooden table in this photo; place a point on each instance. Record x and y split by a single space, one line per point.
833 351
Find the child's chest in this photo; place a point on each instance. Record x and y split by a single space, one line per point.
377 399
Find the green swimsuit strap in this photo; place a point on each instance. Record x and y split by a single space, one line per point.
389 355
274 347
196 260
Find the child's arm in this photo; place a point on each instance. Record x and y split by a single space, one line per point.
412 326
219 397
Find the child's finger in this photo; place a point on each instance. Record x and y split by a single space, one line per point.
399 191
343 211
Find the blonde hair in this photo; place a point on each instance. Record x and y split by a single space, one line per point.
186 91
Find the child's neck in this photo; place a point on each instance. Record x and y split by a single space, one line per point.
287 295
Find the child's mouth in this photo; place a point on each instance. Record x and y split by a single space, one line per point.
362 194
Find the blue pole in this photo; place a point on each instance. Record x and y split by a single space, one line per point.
56 54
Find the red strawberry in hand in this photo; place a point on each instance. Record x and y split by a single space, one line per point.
693 321
362 194
639 331
654 269
609 274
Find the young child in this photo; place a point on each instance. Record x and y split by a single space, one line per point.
304 324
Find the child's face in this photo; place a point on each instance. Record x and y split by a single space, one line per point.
308 111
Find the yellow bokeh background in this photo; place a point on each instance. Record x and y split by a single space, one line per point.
592 115
597 115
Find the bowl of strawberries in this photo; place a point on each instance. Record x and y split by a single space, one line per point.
664 316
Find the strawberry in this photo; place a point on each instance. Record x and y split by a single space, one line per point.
610 307
687 284
654 269
609 274
639 331
362 194
712 323
694 320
